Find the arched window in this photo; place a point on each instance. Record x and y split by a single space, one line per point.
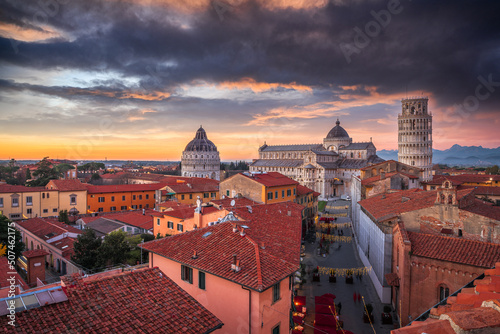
444 292
450 199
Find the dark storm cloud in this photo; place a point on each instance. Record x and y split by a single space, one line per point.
439 47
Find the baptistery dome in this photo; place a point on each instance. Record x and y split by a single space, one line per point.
200 142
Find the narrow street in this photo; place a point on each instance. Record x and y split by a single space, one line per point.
341 255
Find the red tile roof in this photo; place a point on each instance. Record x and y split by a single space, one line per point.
376 178
454 249
389 205
42 227
133 218
301 190
142 301
271 179
238 202
182 213
473 310
7 188
483 209
123 188
66 185
268 252
34 253
463 178
483 190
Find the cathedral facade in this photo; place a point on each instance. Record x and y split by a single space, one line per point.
200 158
326 168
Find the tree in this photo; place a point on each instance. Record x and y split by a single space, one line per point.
63 216
63 168
7 228
28 174
8 173
493 170
86 249
135 242
114 249
44 173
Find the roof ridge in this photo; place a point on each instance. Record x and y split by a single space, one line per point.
455 238
257 261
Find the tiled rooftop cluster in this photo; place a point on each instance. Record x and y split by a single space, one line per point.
142 301
385 206
473 310
450 249
271 179
268 250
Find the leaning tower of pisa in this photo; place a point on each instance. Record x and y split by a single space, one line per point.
415 135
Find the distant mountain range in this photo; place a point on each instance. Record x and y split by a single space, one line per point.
457 156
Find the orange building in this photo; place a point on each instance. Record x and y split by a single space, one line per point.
267 188
187 218
121 197
241 270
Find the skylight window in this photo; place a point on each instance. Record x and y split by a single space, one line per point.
206 234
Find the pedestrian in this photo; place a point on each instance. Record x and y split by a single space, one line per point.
354 297
340 306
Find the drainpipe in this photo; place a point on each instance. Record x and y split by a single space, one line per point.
249 309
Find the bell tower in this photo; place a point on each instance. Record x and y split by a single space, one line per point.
415 135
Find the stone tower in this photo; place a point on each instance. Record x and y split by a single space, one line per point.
200 157
415 135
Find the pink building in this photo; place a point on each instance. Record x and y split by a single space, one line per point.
240 269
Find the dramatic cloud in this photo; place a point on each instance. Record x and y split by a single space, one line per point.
246 67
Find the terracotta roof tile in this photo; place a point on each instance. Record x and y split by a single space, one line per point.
271 179
66 185
453 249
143 301
123 188
301 190
463 178
392 204
483 209
268 252
34 253
46 228
7 188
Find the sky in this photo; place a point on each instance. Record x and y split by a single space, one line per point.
134 80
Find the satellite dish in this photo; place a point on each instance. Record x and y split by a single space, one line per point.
233 202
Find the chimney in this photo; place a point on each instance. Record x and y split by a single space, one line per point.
235 266
235 228
143 212
242 232
195 255
289 213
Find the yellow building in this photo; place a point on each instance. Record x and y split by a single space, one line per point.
72 195
20 202
264 188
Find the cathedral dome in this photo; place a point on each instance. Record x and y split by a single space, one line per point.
337 132
201 142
